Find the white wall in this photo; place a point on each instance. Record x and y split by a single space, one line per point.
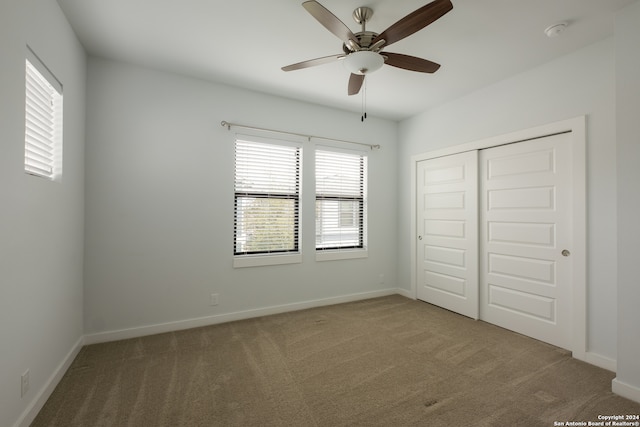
159 203
159 194
41 222
568 87
627 38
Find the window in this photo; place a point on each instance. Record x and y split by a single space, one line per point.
43 120
267 198
340 200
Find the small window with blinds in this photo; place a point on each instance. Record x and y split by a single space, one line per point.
340 200
43 120
267 197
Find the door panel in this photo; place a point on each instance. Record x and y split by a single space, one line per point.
448 232
521 198
522 303
525 218
528 234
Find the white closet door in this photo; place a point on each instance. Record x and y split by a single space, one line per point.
447 217
525 225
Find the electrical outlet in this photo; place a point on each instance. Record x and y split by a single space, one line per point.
213 299
24 383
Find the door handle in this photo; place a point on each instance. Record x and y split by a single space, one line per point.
419 237
565 252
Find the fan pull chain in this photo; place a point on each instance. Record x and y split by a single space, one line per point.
364 101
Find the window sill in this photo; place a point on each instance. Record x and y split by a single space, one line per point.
338 254
262 260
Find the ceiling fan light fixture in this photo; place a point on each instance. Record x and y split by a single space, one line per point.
363 62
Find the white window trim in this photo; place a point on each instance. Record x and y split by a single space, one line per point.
347 253
338 254
241 261
258 260
57 110
279 258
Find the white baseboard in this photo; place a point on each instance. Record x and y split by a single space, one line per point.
601 361
40 399
625 390
405 293
230 317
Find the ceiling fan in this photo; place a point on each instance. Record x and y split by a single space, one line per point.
363 51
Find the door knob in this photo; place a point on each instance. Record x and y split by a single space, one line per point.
565 252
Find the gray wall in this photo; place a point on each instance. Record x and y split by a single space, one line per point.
159 192
41 222
628 143
159 202
562 89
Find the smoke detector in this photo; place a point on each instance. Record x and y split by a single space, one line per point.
555 29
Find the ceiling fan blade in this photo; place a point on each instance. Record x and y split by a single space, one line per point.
410 62
312 62
415 21
329 21
355 83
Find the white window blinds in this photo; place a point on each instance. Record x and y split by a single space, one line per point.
340 200
43 123
267 198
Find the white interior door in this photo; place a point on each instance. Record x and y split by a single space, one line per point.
525 225
447 217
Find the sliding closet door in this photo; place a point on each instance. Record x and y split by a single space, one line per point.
525 238
447 216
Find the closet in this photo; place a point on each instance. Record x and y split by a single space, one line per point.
495 235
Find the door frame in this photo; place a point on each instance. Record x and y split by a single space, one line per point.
577 127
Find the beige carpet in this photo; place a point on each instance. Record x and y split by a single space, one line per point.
387 361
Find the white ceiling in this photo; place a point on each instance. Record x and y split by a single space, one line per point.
246 42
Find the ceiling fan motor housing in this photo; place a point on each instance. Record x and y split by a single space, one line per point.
364 40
